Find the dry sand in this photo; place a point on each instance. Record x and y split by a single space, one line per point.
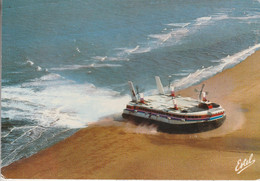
117 150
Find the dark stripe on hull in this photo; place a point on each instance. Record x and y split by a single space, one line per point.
179 128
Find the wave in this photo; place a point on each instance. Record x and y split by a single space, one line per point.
132 50
203 20
204 73
69 104
124 52
100 58
246 17
32 64
50 77
182 25
176 34
225 16
161 37
106 58
38 68
29 62
181 31
180 74
220 17
169 37
27 141
75 67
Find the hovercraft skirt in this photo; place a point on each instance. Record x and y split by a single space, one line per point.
178 128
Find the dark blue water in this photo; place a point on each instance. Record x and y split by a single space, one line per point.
67 63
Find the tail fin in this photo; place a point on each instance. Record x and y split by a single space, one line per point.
132 90
159 85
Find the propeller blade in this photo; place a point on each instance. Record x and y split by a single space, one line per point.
202 87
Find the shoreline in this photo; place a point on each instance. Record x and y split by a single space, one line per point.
111 149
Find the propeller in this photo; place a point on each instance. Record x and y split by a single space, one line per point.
201 90
138 91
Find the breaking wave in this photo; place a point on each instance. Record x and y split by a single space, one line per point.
170 37
182 25
33 65
51 108
202 21
75 67
71 104
29 62
204 73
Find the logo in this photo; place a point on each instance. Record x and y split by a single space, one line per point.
242 165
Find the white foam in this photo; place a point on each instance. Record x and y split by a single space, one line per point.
29 62
100 58
166 38
78 50
32 64
179 74
176 34
203 20
129 50
161 37
246 17
72 105
143 50
75 67
182 25
38 68
221 17
50 76
159 40
205 73
124 52
171 37
121 56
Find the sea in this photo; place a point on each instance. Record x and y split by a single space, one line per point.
65 64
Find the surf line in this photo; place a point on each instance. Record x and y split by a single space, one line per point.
245 164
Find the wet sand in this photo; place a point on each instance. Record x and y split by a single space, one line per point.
118 150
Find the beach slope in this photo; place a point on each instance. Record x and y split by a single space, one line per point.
118 150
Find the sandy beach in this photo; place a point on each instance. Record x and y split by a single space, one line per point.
112 149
